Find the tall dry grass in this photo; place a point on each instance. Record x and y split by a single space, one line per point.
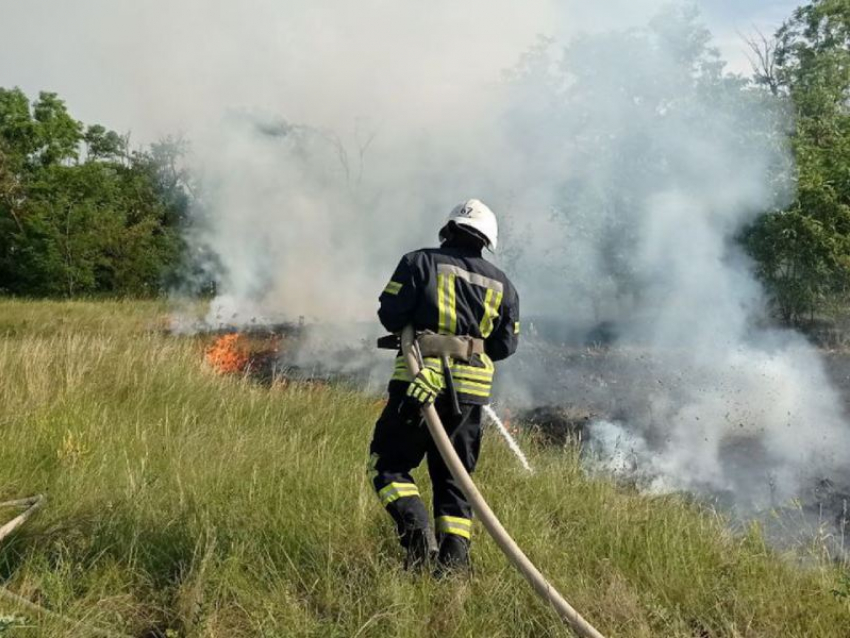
183 503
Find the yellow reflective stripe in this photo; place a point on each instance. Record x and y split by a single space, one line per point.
487 361
474 384
454 525
401 372
457 531
492 301
452 304
473 374
395 491
461 385
457 520
475 381
465 387
472 369
393 288
435 364
446 304
516 327
468 379
473 278
441 303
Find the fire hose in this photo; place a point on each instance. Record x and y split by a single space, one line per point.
482 510
32 505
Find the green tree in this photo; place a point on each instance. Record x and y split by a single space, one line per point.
104 144
107 223
803 252
57 133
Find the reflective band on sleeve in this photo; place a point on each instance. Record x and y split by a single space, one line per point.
395 491
447 303
393 288
492 301
454 525
516 327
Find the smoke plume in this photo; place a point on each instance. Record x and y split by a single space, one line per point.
623 163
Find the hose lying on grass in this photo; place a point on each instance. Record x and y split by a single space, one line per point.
32 505
491 523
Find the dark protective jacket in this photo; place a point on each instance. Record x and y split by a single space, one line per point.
454 290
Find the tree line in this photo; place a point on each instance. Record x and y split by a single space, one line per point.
80 212
83 213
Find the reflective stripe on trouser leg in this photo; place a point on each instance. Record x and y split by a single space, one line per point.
454 525
395 491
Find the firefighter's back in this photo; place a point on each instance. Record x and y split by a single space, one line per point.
462 292
454 290
474 310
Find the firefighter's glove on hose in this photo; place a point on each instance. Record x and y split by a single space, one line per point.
425 386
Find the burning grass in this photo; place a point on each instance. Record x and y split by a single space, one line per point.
227 355
184 503
266 354
238 353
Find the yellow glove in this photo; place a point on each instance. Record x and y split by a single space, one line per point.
425 387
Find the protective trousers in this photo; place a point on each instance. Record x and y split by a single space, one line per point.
400 442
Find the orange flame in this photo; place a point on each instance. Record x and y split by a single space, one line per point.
228 354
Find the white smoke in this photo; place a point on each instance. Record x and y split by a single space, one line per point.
653 161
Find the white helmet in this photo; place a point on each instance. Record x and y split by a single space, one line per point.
475 215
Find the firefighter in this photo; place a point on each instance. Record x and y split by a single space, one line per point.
459 301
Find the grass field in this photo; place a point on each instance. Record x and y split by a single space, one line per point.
184 503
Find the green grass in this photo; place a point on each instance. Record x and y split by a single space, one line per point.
183 503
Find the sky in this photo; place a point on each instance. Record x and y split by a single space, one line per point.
158 67
729 19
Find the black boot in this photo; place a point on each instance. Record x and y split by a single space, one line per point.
414 532
453 557
421 550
